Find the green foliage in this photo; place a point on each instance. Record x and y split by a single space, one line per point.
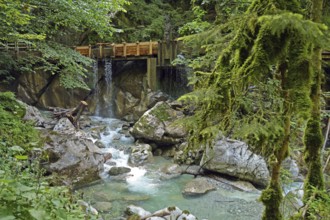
159 17
316 208
58 59
24 192
259 87
13 131
52 26
7 66
197 25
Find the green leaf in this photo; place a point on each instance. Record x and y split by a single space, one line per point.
21 157
38 214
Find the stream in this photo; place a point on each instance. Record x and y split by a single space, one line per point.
145 187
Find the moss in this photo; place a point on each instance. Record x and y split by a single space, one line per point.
312 156
161 112
171 208
271 198
134 217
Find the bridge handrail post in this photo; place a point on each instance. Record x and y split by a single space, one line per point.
137 48
150 47
124 49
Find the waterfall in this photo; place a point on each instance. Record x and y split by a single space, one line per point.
108 87
96 86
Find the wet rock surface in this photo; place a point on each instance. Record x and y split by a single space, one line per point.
233 158
198 186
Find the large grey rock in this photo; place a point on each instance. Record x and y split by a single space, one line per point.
140 154
114 171
233 158
158 125
198 186
74 157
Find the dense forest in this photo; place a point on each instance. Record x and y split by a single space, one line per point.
257 76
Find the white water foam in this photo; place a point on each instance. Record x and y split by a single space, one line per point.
137 180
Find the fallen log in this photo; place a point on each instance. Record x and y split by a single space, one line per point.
72 114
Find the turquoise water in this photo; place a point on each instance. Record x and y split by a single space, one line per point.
145 187
152 193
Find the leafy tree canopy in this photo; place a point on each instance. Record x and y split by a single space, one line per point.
50 26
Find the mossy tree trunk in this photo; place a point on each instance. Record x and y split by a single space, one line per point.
272 196
313 134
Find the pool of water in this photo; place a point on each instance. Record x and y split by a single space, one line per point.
146 188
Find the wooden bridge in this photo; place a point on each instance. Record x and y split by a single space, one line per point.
165 52
156 53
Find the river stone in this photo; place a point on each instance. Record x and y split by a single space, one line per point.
186 216
168 213
102 206
198 186
132 209
158 125
171 169
140 154
233 158
114 171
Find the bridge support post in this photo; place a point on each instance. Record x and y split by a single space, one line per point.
152 73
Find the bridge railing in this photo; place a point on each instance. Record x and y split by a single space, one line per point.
102 50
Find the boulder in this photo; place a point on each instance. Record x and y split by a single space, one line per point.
114 171
234 158
132 209
158 125
74 157
170 171
198 186
140 154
